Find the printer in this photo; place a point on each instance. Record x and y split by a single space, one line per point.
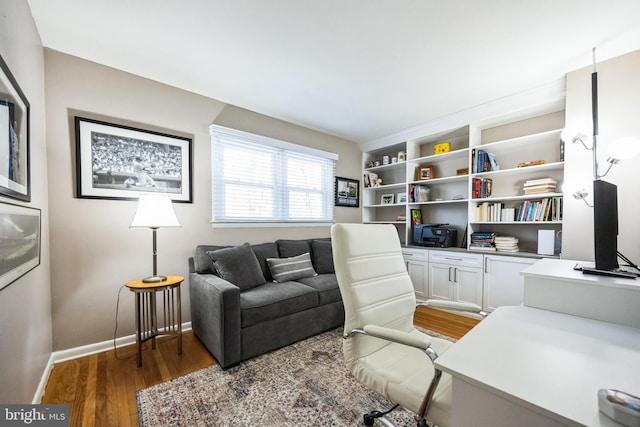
435 235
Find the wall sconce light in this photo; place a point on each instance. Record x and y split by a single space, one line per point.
574 137
582 195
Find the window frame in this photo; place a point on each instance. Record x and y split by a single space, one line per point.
282 151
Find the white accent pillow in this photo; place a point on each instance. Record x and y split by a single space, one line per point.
297 267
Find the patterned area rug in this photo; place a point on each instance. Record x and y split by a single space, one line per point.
304 384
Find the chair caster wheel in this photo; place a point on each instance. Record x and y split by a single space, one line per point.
371 417
368 419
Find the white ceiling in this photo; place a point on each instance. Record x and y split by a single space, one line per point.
359 69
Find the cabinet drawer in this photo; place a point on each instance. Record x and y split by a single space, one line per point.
415 254
456 258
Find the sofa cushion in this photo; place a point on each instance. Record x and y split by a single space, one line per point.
274 300
238 265
292 268
264 251
289 248
202 262
322 256
326 285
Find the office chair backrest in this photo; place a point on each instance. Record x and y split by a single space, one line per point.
375 286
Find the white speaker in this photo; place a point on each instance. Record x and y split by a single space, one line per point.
546 242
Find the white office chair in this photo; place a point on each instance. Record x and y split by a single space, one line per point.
382 349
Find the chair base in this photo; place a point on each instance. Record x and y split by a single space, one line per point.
370 417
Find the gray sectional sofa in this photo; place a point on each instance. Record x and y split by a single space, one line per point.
239 311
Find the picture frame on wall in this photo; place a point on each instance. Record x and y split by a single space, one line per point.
15 175
347 192
115 161
20 228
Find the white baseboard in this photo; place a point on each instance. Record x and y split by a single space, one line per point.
82 351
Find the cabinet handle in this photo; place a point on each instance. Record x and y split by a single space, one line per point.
486 265
455 275
449 274
453 259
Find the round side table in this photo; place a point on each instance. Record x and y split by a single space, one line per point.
146 314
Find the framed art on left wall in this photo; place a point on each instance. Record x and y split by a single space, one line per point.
115 161
20 244
14 138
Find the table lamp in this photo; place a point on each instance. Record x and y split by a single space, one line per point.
154 211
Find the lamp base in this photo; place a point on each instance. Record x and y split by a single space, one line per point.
154 279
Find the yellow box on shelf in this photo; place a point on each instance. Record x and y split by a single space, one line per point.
442 147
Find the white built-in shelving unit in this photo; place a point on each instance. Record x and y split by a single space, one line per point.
519 135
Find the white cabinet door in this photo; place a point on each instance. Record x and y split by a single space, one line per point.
417 262
503 284
441 281
418 271
468 285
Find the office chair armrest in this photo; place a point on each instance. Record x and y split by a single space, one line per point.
455 305
418 341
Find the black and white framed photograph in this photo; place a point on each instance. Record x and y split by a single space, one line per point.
14 138
20 242
401 197
387 199
120 162
347 192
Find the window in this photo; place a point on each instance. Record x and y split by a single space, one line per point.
262 180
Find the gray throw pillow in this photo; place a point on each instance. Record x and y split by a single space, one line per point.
238 265
322 256
297 267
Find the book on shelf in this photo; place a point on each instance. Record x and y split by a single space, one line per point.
530 163
542 185
507 244
481 248
547 209
370 179
481 187
418 193
483 161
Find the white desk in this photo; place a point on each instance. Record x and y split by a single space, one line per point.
523 366
552 284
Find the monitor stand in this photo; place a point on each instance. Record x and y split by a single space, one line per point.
611 273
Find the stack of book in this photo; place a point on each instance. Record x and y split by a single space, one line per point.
483 241
543 185
506 244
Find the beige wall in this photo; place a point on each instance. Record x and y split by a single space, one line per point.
92 248
619 116
25 305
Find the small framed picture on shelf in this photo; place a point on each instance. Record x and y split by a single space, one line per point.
387 199
401 198
425 172
416 216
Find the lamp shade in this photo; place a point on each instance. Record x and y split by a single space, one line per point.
154 211
623 149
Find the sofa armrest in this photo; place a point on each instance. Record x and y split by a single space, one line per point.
215 316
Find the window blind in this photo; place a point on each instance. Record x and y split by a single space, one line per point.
262 180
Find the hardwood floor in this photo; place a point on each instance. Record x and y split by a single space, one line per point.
101 388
